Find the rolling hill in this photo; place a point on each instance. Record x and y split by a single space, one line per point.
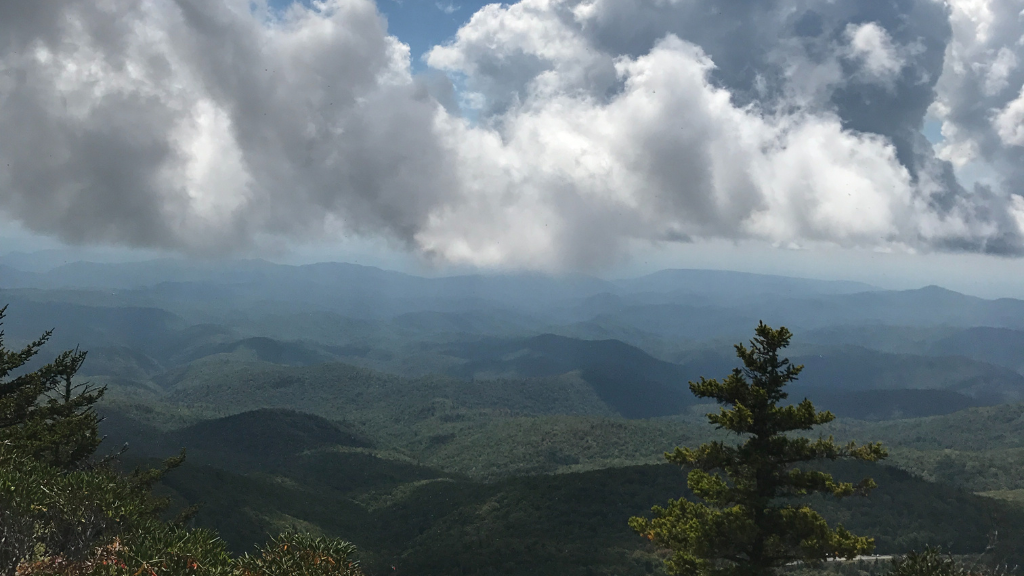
425 521
998 346
859 369
628 380
852 381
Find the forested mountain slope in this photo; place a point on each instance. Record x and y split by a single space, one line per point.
430 521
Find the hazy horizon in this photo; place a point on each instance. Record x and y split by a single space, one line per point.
975 275
873 142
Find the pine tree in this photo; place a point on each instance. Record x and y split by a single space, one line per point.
45 413
749 523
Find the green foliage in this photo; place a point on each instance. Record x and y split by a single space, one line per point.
433 521
748 524
47 513
64 513
157 548
980 449
563 524
301 555
44 412
930 562
501 447
934 561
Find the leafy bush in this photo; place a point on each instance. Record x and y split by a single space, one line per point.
301 555
93 521
930 562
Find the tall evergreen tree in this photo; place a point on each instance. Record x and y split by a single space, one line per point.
749 523
45 413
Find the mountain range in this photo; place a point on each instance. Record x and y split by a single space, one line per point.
427 418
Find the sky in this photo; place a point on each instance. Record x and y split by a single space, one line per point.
880 141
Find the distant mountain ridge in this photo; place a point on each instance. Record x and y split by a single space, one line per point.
999 346
726 281
853 382
679 303
627 346
259 278
136 274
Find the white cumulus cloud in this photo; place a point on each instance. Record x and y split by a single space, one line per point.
201 125
871 44
1009 122
980 81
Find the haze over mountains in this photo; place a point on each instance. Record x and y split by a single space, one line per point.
636 342
395 410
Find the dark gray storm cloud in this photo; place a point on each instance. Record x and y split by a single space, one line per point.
578 126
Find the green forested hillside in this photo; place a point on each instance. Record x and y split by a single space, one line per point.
556 375
265 434
990 427
631 382
499 426
981 449
436 520
360 395
554 444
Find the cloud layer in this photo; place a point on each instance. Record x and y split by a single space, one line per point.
570 128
